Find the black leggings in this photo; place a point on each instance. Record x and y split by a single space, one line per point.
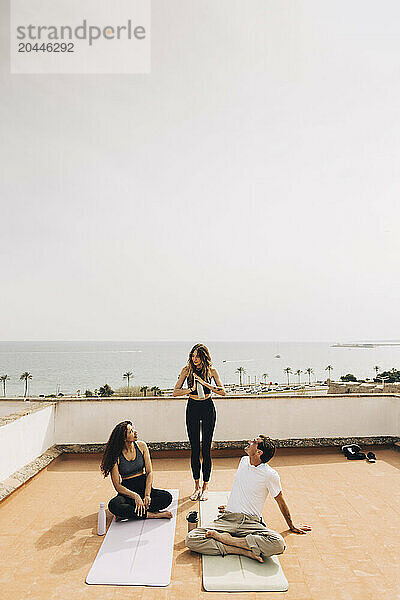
124 506
200 414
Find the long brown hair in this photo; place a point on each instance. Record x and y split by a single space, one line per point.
114 447
206 364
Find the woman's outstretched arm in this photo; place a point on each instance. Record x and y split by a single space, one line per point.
178 390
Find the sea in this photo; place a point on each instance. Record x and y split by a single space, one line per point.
68 366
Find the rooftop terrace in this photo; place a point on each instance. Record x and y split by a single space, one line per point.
48 538
51 488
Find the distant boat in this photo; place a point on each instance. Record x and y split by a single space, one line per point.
277 355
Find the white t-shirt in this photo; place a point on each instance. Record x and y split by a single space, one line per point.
251 487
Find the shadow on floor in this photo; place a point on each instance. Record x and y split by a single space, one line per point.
78 553
73 541
67 530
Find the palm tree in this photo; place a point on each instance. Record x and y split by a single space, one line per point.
264 376
298 373
105 390
4 378
156 390
127 376
329 368
25 377
309 371
376 369
241 371
288 370
144 389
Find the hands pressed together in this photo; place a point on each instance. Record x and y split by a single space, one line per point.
196 379
202 382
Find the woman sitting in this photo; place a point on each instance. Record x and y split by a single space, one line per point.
128 461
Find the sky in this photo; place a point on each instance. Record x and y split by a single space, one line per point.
246 189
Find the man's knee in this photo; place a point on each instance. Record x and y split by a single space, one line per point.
279 544
276 543
268 544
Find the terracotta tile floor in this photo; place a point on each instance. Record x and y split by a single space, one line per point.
48 541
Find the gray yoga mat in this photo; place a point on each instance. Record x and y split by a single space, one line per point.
233 573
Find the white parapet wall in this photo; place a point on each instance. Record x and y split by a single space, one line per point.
9 406
24 439
163 419
91 422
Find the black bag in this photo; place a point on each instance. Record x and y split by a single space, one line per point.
353 452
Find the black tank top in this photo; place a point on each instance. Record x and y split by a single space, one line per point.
127 468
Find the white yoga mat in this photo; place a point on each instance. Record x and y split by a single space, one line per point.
233 573
136 552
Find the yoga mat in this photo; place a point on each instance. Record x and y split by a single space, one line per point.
136 552
233 573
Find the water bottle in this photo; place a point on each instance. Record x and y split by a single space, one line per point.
193 520
200 391
101 520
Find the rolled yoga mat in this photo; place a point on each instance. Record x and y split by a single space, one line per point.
233 573
136 552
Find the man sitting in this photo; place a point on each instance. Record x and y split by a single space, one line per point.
240 528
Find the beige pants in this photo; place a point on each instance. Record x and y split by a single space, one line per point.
261 540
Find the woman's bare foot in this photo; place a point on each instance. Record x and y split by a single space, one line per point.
204 495
233 545
196 494
204 491
163 514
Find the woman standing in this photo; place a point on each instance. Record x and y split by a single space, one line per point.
128 461
200 412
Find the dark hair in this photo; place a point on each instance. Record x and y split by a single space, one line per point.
114 447
206 364
268 448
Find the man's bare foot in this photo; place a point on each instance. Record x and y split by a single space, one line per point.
163 514
247 553
233 545
224 538
196 494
